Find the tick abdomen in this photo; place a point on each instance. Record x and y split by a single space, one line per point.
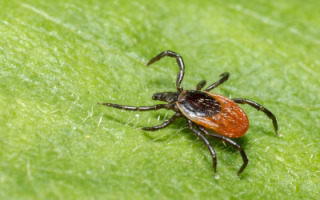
214 112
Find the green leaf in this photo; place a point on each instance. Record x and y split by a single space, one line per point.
59 58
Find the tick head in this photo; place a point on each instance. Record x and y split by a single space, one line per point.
169 97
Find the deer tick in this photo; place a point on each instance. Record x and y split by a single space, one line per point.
207 114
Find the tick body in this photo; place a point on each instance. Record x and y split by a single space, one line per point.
214 112
207 114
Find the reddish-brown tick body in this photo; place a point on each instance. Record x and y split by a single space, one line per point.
213 112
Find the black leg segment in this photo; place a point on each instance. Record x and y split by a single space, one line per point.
206 142
260 108
232 143
179 61
141 108
225 77
201 84
165 124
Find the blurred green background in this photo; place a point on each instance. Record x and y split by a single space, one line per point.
59 58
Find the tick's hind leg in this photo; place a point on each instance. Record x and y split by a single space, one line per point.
232 143
225 77
260 108
206 142
140 108
165 124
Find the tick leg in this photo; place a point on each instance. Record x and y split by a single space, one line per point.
201 84
260 108
165 124
232 143
224 78
141 108
206 142
179 61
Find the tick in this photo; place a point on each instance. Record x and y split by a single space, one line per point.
207 114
